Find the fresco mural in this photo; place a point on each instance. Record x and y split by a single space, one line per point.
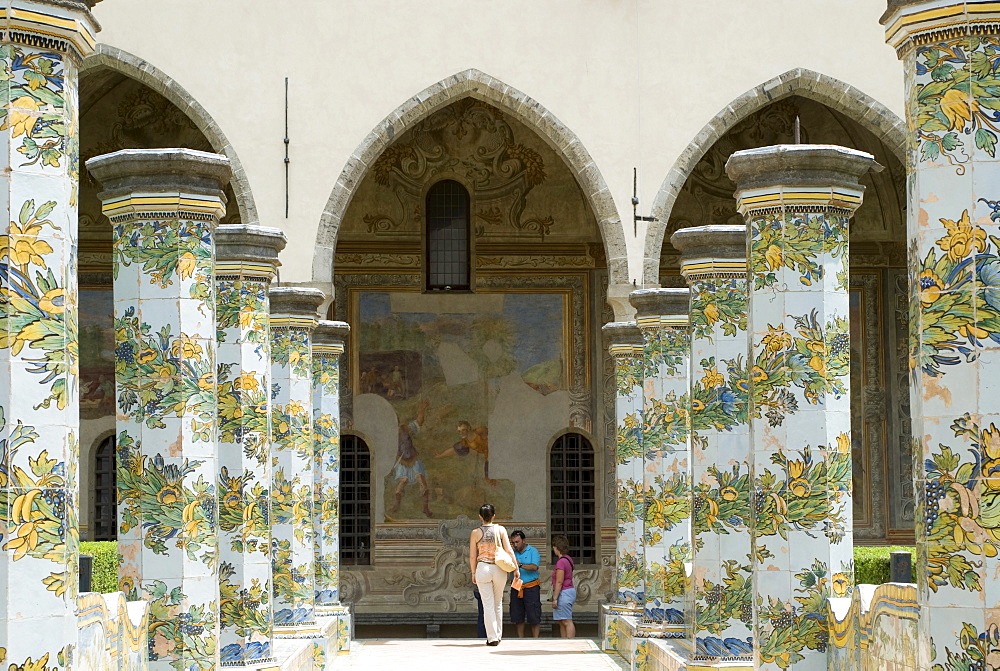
97 354
444 366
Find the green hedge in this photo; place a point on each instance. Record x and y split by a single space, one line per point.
105 554
871 564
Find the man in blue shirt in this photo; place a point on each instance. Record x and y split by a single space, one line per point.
526 603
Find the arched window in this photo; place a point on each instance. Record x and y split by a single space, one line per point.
448 236
105 492
572 490
355 501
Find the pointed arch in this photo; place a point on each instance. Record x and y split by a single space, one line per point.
835 94
476 84
106 57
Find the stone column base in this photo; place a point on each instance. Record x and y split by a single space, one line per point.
316 646
646 649
112 633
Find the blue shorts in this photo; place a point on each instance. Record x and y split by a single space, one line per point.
409 472
528 607
564 609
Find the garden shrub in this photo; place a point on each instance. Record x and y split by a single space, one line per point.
105 554
871 564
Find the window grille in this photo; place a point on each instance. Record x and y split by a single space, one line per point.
355 501
105 492
448 236
572 495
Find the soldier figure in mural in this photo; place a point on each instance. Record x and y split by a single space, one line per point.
470 439
408 466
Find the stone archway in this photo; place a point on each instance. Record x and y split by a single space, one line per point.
475 84
840 96
119 61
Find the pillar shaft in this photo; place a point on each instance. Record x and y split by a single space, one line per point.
950 53
293 318
163 205
797 200
246 260
626 346
662 316
328 345
713 261
39 385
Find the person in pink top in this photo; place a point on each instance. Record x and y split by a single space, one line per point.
563 591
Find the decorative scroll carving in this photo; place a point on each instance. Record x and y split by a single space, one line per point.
381 260
533 262
869 413
472 141
902 509
440 583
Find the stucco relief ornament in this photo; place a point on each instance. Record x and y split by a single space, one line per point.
471 140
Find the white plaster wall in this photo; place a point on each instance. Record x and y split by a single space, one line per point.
636 80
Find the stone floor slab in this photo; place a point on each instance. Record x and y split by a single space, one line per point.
445 654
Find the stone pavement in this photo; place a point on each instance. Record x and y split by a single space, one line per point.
446 654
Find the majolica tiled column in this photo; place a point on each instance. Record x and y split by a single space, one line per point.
327 346
40 52
713 261
246 260
951 54
626 347
662 316
293 318
798 200
163 205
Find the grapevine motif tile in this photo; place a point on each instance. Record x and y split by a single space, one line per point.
244 480
952 109
166 373
799 385
293 556
721 626
36 114
666 483
39 396
326 462
629 459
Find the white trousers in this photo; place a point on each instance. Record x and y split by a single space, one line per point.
491 580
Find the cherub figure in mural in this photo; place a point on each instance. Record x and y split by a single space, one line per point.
408 467
472 439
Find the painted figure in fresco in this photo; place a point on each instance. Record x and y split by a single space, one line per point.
472 439
369 381
408 467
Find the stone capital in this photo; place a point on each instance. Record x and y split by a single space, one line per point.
712 250
622 333
246 245
799 175
56 25
660 302
161 180
909 23
296 301
330 333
